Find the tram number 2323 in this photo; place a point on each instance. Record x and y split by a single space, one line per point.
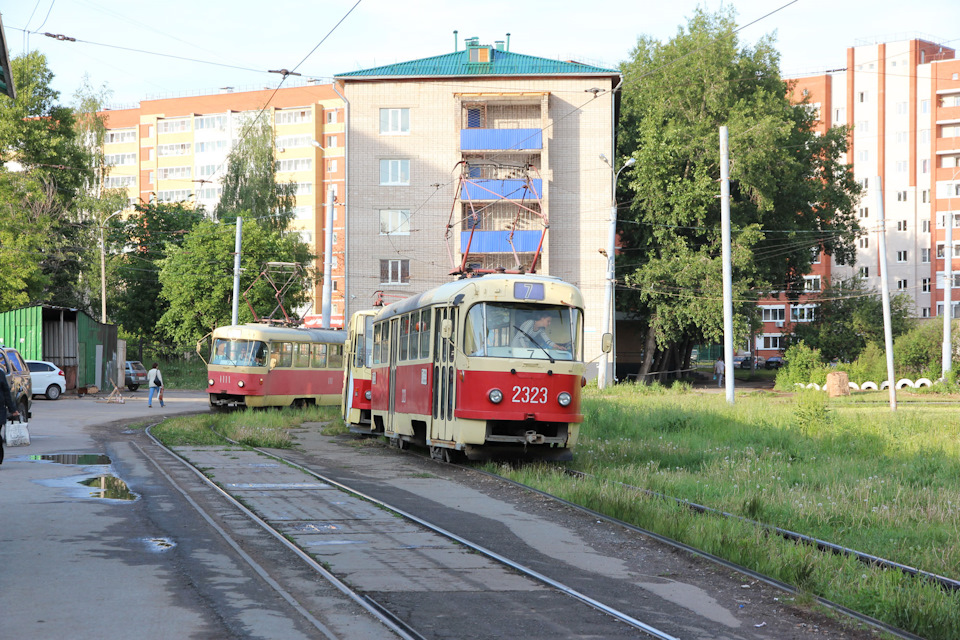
530 395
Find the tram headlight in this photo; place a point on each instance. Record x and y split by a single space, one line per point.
564 399
209 382
240 384
368 395
496 396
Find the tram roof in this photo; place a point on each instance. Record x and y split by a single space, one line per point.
447 293
274 332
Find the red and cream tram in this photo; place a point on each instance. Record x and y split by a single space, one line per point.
357 357
489 366
257 365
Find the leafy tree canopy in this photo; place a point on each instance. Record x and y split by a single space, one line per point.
197 277
849 316
790 195
250 182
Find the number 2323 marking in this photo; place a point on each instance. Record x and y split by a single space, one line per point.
530 395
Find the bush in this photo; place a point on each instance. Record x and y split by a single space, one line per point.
871 365
803 365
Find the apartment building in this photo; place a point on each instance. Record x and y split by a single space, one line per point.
527 131
902 101
175 149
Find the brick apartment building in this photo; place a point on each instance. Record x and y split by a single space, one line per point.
902 100
175 149
504 120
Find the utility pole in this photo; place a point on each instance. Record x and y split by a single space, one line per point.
947 362
727 262
103 269
235 318
326 294
885 292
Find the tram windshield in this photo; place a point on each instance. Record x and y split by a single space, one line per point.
239 353
509 330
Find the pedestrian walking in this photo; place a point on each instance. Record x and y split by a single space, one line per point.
6 404
155 382
719 368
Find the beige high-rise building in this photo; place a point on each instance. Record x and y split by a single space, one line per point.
485 148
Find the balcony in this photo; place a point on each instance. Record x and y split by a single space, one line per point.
501 139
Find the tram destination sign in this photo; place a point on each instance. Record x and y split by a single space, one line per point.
528 290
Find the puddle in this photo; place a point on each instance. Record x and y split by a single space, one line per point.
159 544
79 459
109 488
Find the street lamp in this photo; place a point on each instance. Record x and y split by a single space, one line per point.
608 370
103 269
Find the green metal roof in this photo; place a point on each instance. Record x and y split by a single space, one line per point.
502 63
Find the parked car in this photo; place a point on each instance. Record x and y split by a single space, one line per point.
774 362
135 375
46 379
18 376
745 362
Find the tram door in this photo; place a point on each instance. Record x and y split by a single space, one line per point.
392 382
444 376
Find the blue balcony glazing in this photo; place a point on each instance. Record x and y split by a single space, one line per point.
497 189
496 241
500 139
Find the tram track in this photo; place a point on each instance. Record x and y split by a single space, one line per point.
379 611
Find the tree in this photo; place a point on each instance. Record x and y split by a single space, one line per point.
250 182
197 278
783 178
43 167
849 316
146 235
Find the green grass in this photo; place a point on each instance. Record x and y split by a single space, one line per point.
861 476
252 427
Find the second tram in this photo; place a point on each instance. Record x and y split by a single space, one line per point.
256 365
490 367
357 358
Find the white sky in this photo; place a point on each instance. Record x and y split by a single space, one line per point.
812 35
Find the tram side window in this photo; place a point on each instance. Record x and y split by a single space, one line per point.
425 334
335 356
301 355
319 358
377 344
284 352
404 336
473 342
415 335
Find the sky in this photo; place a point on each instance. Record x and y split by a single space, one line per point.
142 49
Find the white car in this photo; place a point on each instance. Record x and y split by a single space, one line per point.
47 379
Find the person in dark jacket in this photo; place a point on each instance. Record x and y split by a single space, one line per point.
6 404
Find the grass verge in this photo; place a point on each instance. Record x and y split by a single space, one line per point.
268 428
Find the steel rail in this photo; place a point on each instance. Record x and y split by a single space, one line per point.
618 615
856 615
373 608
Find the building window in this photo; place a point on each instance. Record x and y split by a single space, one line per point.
173 126
901 168
395 222
925 256
864 242
803 313
865 183
863 156
210 146
863 96
394 172
772 342
331 142
174 173
331 116
901 106
902 284
901 225
394 121
939 249
112 137
811 283
218 123
925 312
294 116
864 272
924 106
119 159
902 137
476 117
295 164
925 165
394 272
924 136
925 226
863 126
332 166
864 212
925 285
182 149
773 314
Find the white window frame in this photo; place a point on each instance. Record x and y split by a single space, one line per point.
394 222
394 172
395 121
395 271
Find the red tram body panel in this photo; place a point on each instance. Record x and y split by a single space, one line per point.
256 365
490 367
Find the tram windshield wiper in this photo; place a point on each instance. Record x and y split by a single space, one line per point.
537 344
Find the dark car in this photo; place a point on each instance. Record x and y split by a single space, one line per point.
134 375
18 377
774 362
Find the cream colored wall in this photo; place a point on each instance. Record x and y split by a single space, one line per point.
577 184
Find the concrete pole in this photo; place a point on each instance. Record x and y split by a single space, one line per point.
947 296
727 262
327 291
235 318
885 293
605 374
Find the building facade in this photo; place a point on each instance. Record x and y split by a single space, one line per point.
175 149
481 148
902 102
